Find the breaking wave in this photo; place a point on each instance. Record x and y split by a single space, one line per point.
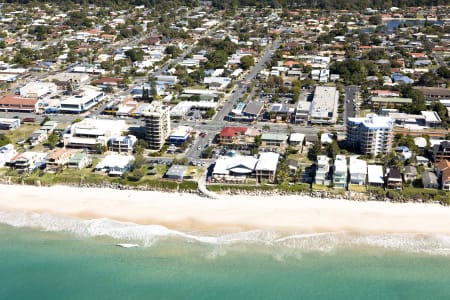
147 235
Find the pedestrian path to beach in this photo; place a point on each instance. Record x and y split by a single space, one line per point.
203 190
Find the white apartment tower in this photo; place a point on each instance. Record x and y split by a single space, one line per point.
157 125
370 135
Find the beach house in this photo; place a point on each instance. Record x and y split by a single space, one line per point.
358 171
57 160
115 165
409 173
79 161
322 170
340 172
27 162
266 167
7 152
375 175
394 179
442 169
430 180
122 144
236 169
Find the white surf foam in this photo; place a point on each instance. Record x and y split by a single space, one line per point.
147 235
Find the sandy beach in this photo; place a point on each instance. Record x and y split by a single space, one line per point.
230 213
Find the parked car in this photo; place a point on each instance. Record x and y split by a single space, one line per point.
29 120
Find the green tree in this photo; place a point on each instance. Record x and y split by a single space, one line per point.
315 151
217 59
210 113
135 54
247 62
428 79
332 149
444 72
52 140
418 99
173 51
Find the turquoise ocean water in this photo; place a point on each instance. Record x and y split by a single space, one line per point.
72 259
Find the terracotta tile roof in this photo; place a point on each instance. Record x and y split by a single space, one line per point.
17 101
232 131
443 165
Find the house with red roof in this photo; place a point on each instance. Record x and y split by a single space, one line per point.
418 55
442 169
14 103
237 136
291 63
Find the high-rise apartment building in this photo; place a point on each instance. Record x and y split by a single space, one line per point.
371 134
157 125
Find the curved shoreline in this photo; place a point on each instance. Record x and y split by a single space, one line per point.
190 212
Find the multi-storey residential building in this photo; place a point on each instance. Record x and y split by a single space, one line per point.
370 135
322 170
157 125
340 172
122 143
441 151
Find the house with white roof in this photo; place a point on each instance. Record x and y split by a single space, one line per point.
237 169
266 167
233 169
375 175
7 152
340 172
358 171
297 139
322 170
115 165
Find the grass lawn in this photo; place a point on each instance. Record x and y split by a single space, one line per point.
319 187
161 170
357 188
23 132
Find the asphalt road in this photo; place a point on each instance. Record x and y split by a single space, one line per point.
351 95
439 60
